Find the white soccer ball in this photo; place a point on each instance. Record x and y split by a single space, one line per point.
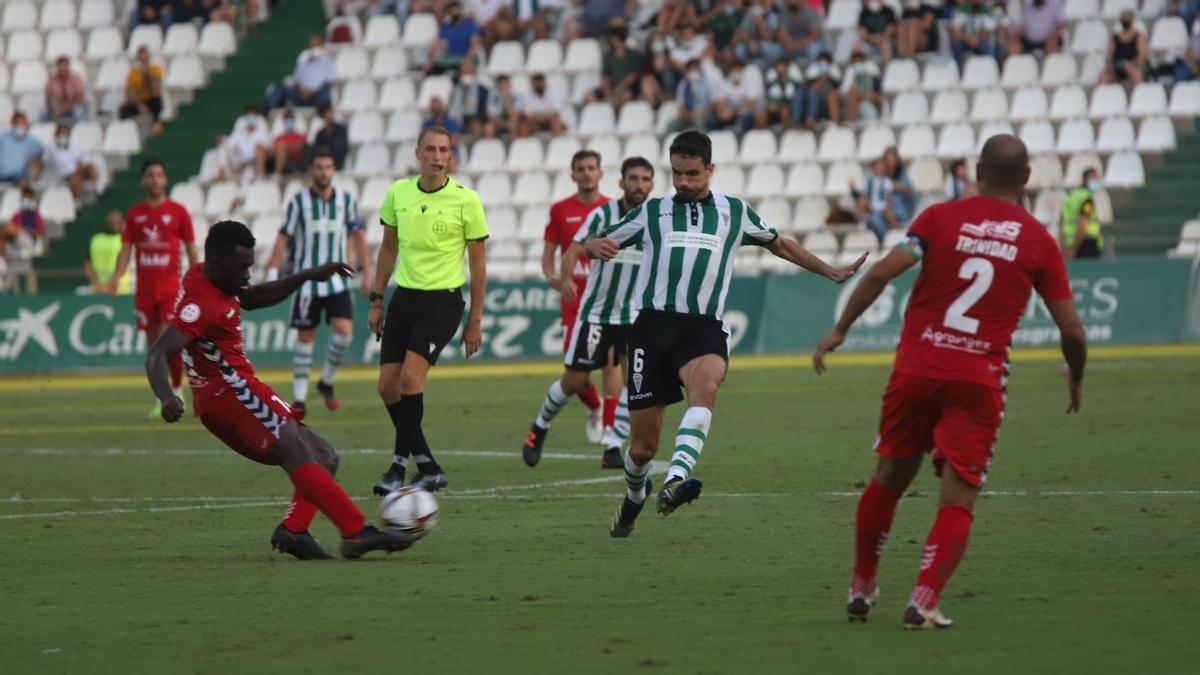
409 509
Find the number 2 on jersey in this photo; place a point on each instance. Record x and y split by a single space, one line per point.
982 271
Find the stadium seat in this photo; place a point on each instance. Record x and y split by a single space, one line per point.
507 58
531 225
725 146
1185 99
1091 68
345 184
358 94
1048 205
112 75
57 205
956 140
560 150
1029 103
365 127
544 56
1067 102
396 94
797 146
146 35
917 140
1090 35
531 188
874 140
837 143
389 62
6 103
189 195
609 182
87 135
352 62
182 38
1103 202
1078 10
729 179
19 15
1116 133
1170 34
1149 98
583 55
217 40
901 75
857 242
525 154
1038 136
185 72
439 86
33 104
420 30
636 117
502 224
949 106
403 126
1108 100
989 104
95 14
1045 172
487 155
980 72
1125 170
344 30
805 180
609 148
647 146
1111 10
774 211
64 42
841 176
993 128
809 214
758 146
1077 164
104 43
404 160
585 83
262 196
372 159
926 174
1020 70
1156 134
28 76
25 45
219 199
596 118
1059 69
940 74
821 243
1076 135
765 180
382 30
909 107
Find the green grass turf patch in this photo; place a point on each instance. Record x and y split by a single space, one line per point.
159 561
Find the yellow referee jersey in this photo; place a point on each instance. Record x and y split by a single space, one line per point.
433 229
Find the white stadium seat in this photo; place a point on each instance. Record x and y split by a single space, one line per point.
1125 170
487 155
926 174
365 127
821 243
397 93
25 45
874 140
6 103
1169 34
104 43
647 146
494 188
596 118
420 30
182 38
64 42
382 30
33 104
1076 135
758 145
185 72
87 135
57 205
1029 103
1156 134
956 140
837 143
858 242
1112 9
765 180
993 128
724 146
122 138
403 126
502 224
805 180
358 94
841 176
1149 98
1048 205
1116 133
909 107
583 55
1185 99
544 56
917 140
217 39
1108 100
29 76
507 58
636 117
1077 10
146 35
1091 68
989 104
797 146
1020 70
372 159
609 148
980 72
774 212
901 75
189 195
219 199
1068 101
563 186
19 15
1045 172
1077 164
525 154
583 84
389 62
561 149
262 196
112 75
531 188
810 214
1038 136
95 14
352 62
1059 69
941 74
949 106
1090 36
439 86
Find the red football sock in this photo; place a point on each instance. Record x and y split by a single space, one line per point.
876 508
944 549
589 397
175 365
318 487
610 411
300 513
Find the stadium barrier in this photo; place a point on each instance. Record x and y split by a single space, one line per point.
1140 301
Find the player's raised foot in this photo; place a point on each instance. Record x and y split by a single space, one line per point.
531 449
677 492
390 482
612 459
627 513
326 392
595 426
431 481
858 605
917 618
299 545
299 410
372 539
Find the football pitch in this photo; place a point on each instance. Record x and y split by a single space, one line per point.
131 546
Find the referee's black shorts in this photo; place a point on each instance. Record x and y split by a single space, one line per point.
420 321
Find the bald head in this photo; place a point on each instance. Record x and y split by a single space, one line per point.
1003 163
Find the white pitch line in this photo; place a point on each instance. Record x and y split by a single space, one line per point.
221 451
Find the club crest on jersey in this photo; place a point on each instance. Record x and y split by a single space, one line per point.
166 220
637 382
190 312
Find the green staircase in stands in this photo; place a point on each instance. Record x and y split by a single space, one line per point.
1147 220
261 59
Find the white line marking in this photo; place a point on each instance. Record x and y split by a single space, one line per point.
591 457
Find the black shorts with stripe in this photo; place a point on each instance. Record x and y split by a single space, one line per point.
590 345
422 322
307 310
663 342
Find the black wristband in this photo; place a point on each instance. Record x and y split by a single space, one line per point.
373 296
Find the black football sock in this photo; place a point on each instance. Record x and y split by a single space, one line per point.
415 414
401 451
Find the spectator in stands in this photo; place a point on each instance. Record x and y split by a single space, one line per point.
595 16
917 32
311 83
101 261
1128 53
513 19
143 90
439 116
875 202
1081 236
1040 29
65 93
904 195
973 31
757 38
248 145
540 109
692 46
286 153
821 90
1187 65
503 116
333 137
66 163
877 28
20 153
694 98
671 15
1177 8
153 11
958 183
201 12
720 22
622 78
861 87
459 40
785 97
468 100
31 234
800 30
739 101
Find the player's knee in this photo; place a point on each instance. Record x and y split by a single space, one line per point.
331 461
389 390
411 383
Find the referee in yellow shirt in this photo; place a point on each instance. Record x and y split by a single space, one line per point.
431 221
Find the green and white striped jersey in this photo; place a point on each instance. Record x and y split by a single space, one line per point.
688 250
318 230
609 297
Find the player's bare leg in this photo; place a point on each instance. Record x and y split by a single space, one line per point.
339 342
646 428
174 364
873 522
944 549
306 339
402 386
701 377
560 392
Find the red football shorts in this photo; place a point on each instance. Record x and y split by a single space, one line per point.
248 421
571 310
155 307
960 419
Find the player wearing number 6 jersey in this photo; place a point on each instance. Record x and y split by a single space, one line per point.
688 242
980 258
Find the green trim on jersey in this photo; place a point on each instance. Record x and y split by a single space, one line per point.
609 297
432 231
319 230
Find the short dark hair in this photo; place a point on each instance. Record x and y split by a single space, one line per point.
434 129
226 235
18 115
692 143
321 152
957 163
152 162
584 154
26 189
635 162
323 108
502 78
62 59
1089 170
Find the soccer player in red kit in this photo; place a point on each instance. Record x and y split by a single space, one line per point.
565 218
980 258
156 227
245 414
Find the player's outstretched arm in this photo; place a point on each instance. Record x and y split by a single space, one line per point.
170 343
864 294
1074 346
275 292
791 251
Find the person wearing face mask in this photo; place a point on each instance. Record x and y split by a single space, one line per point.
784 95
694 97
66 163
800 30
248 145
311 82
973 31
1040 29
1081 236
821 90
459 39
877 28
20 153
1128 53
862 88
740 101
30 237
756 39
286 153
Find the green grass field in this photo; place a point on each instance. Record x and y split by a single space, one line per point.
130 546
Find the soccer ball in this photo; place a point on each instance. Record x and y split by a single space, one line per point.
409 509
